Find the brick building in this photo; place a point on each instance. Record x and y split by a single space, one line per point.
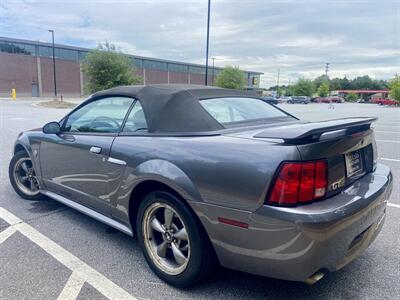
27 66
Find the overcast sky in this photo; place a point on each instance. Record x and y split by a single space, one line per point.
299 37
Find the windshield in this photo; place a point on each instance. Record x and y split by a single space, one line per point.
236 109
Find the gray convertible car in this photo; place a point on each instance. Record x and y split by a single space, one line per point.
207 176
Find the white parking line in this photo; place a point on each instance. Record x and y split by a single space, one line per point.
388 141
384 131
72 287
6 233
394 205
104 285
389 159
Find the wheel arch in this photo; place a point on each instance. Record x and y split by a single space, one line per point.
19 147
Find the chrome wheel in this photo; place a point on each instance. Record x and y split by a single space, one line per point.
165 238
25 176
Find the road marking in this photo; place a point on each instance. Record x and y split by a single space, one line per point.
72 287
104 285
6 233
384 131
394 205
388 141
389 159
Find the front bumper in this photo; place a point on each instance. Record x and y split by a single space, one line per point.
292 243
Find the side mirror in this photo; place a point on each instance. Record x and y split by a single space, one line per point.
52 128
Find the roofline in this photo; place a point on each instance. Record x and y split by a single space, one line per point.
39 43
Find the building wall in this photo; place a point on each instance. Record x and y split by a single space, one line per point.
19 72
68 77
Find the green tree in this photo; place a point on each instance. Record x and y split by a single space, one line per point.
304 87
320 80
231 78
351 97
394 86
323 89
107 68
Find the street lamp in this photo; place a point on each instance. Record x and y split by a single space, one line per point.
208 40
213 70
54 63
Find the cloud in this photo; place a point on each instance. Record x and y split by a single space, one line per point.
297 37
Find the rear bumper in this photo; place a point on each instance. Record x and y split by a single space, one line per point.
294 243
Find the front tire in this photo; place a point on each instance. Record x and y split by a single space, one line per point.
173 241
23 177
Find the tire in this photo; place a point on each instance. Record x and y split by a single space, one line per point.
23 188
200 256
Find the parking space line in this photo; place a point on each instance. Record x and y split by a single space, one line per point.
6 233
393 205
384 131
72 287
389 159
388 141
101 283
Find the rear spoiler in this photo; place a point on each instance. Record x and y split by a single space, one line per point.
311 132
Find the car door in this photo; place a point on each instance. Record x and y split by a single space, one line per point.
76 164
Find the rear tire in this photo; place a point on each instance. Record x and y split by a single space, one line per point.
173 241
23 177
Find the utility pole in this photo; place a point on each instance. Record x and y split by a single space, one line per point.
213 71
277 83
326 69
208 40
54 64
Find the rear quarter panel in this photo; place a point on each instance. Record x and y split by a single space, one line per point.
220 170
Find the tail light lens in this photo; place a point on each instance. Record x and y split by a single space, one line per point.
299 182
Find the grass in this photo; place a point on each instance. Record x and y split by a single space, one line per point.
56 104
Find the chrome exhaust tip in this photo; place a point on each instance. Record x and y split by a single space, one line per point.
314 278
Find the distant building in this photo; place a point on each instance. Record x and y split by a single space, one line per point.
27 66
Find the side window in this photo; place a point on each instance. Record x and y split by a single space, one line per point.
101 116
136 120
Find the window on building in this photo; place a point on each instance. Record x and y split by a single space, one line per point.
138 63
155 65
17 48
66 54
197 70
177 68
82 55
45 51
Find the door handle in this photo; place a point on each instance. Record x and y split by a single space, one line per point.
95 150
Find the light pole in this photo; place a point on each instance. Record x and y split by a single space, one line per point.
277 83
208 40
54 63
213 72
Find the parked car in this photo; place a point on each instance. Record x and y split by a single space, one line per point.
299 99
336 99
384 101
270 100
206 176
285 99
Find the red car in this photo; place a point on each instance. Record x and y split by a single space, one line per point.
329 100
385 101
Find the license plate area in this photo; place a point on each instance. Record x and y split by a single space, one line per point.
354 165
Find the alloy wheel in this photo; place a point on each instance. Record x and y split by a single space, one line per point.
165 238
25 176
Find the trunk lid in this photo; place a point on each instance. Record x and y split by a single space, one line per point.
348 145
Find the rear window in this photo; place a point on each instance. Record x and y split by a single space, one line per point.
237 109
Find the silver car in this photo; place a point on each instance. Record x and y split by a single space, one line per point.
207 177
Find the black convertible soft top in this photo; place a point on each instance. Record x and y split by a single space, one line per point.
175 107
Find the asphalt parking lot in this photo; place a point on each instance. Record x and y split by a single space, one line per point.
50 251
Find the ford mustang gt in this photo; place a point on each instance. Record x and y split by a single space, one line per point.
207 176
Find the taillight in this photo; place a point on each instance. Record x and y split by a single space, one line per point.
299 182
